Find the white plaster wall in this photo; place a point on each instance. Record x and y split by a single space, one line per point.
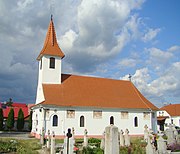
94 126
49 75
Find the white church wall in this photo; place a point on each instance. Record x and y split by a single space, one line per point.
94 125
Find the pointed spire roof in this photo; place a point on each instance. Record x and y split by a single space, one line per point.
51 46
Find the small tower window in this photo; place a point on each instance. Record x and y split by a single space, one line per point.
135 122
55 120
41 64
52 62
82 121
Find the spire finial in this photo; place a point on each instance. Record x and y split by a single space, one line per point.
51 17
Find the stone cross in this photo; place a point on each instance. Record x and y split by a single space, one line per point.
85 143
127 138
170 135
102 146
121 137
111 140
146 133
162 147
149 147
48 140
52 143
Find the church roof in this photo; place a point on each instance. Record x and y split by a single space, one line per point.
51 46
83 91
172 109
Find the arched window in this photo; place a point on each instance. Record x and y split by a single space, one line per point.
111 120
55 120
52 62
82 121
135 122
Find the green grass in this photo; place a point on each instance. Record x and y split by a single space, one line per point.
19 146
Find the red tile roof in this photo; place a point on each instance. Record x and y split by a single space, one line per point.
172 109
82 91
18 105
51 46
16 110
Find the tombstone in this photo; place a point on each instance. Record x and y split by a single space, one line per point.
178 139
111 140
48 140
127 138
162 147
149 147
42 136
102 145
146 133
68 143
85 143
121 137
53 143
170 135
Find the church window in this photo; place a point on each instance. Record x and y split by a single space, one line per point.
52 62
97 114
135 122
55 120
70 113
124 115
111 120
82 121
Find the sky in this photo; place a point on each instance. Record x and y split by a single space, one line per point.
101 38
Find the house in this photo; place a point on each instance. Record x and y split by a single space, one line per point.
80 102
16 107
169 114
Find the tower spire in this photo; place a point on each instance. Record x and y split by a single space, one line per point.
51 46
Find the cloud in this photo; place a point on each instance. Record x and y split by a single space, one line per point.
127 62
150 34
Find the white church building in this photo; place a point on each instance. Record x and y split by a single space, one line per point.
80 102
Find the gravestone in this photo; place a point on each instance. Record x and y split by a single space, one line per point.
146 133
170 135
162 147
127 138
53 143
102 146
48 140
121 137
111 140
68 143
85 143
149 147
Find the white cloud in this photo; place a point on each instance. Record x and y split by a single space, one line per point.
151 34
174 48
127 62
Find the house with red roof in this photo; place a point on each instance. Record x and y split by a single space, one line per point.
81 102
17 106
169 114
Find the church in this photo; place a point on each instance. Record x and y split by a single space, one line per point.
84 103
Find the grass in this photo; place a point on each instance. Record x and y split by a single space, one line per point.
19 146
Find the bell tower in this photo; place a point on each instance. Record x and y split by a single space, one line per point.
50 58
49 62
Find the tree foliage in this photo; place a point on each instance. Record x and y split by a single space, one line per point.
30 121
1 119
10 119
20 120
9 103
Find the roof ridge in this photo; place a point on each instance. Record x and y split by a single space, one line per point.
137 92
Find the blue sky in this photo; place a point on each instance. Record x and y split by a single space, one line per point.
109 38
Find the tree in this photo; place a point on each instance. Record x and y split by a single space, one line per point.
9 103
10 119
1 119
20 120
30 121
